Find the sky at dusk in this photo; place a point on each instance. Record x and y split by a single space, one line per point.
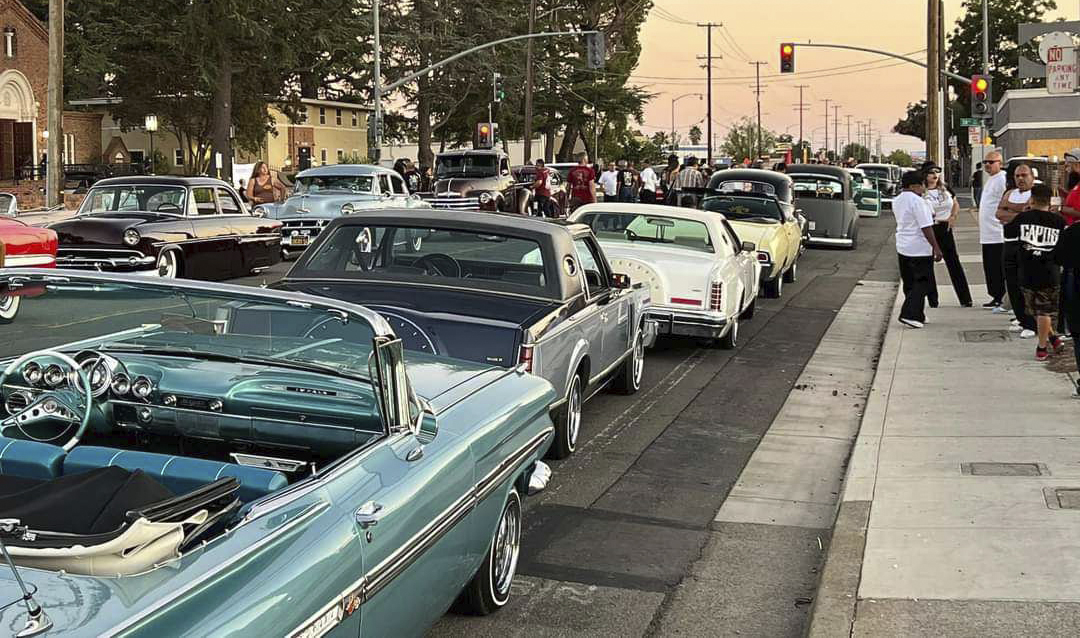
753 30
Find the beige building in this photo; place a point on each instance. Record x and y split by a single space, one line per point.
327 132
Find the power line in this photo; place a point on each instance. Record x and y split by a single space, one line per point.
794 76
731 81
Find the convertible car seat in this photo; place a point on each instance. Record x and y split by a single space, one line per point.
178 473
30 459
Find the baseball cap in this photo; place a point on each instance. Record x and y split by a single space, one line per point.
1072 155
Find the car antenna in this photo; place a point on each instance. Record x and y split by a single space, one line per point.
37 621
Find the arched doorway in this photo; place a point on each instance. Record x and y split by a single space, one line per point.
18 110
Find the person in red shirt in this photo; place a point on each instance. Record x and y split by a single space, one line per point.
582 180
541 191
1070 208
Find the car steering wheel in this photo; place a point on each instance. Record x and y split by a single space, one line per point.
439 264
55 405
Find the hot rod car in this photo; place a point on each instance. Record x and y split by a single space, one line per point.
183 458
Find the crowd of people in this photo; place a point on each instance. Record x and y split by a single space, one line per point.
1030 238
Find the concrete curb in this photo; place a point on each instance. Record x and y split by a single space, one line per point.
833 612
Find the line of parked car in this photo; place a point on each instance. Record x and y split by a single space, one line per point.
364 431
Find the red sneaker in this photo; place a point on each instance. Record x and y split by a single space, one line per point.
1041 354
1057 345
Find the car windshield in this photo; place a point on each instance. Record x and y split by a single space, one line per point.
880 172
746 187
135 197
71 314
314 184
437 256
751 209
818 186
654 229
482 165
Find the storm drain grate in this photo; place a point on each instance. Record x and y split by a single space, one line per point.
985 336
1004 469
1062 498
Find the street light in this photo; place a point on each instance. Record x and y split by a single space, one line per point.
151 125
673 101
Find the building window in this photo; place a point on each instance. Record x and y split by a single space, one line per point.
340 155
322 115
178 157
9 42
303 115
355 153
337 117
322 156
69 148
138 157
355 120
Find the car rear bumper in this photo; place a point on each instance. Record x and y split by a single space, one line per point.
831 241
690 323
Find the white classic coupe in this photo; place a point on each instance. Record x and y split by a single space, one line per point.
703 279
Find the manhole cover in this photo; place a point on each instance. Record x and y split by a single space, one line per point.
1062 498
1004 469
985 336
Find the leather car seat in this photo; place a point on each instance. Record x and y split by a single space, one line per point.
30 459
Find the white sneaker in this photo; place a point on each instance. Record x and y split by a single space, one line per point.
1015 321
1027 334
1016 327
911 323
1000 310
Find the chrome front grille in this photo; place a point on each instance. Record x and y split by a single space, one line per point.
102 258
454 202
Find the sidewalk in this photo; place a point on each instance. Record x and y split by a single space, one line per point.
960 512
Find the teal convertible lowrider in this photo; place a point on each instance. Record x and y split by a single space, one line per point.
200 459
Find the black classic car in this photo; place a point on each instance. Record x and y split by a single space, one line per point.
478 179
194 227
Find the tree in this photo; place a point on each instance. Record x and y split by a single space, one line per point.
695 135
899 157
858 151
914 123
741 141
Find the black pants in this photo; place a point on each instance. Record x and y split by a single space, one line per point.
611 199
543 205
1010 263
1070 304
917 275
648 197
994 272
947 243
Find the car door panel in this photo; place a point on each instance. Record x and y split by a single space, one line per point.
257 244
212 254
601 309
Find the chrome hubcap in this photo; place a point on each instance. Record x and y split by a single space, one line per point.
734 332
167 265
9 305
573 412
505 551
639 360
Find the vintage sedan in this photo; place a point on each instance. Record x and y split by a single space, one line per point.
759 205
887 177
477 179
184 458
866 194
824 195
193 227
702 279
22 245
325 193
498 289
9 206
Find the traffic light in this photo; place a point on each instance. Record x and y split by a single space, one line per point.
594 50
981 100
498 93
787 57
485 138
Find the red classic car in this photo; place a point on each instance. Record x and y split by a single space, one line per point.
25 246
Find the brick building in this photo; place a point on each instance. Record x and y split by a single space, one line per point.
24 53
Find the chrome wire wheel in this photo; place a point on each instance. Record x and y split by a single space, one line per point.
9 307
505 549
639 359
573 412
168 266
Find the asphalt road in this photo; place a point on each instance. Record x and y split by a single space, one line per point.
624 520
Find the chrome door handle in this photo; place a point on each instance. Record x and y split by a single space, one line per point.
368 514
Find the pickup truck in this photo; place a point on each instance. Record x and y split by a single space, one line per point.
477 179
508 291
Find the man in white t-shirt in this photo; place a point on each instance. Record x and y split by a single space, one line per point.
649 183
991 231
916 248
609 182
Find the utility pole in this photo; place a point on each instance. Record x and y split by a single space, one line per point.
848 129
757 92
376 153
836 131
827 128
708 26
802 109
933 79
54 171
986 39
529 85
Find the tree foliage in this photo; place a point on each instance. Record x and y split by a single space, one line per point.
899 157
741 141
858 151
695 135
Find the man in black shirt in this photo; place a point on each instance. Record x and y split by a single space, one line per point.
1067 255
1039 229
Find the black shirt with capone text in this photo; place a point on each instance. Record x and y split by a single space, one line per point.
1039 232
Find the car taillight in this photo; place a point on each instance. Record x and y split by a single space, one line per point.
716 296
526 358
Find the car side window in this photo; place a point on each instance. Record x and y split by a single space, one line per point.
204 201
591 266
398 185
504 166
228 203
725 247
384 184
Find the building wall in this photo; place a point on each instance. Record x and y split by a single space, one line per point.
1034 122
84 133
31 59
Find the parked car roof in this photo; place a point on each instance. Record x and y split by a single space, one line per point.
818 169
510 223
163 180
332 170
780 182
674 212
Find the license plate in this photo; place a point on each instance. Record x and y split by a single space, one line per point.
299 240
813 226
